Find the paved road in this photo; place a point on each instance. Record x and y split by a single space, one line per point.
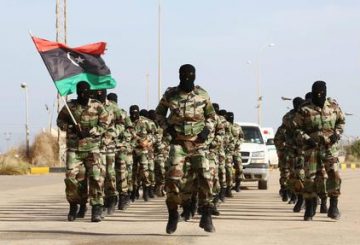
33 210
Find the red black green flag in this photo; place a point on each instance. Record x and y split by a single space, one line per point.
68 66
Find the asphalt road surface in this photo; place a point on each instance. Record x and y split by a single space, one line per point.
33 210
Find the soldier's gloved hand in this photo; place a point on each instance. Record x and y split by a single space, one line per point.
81 133
171 131
311 143
334 138
203 135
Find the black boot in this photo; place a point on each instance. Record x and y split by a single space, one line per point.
96 212
186 210
323 206
151 191
82 211
146 193
111 205
173 218
222 194
299 203
308 209
206 220
124 201
228 192
314 205
137 192
133 195
194 204
72 212
333 209
237 186
292 198
159 190
285 195
215 211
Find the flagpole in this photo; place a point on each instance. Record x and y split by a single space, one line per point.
67 107
159 52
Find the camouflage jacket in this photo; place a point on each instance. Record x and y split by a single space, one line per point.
189 112
279 139
218 133
92 118
319 123
144 131
238 136
290 139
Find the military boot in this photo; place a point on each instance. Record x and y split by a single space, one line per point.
333 209
146 193
137 192
237 186
151 191
186 210
292 198
133 195
222 194
309 210
173 219
323 205
228 192
285 195
111 205
82 211
194 204
72 211
124 201
206 220
96 212
215 211
159 190
299 203
314 205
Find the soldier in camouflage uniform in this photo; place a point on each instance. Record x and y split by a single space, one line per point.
83 160
143 141
237 139
161 151
280 144
123 154
319 125
190 113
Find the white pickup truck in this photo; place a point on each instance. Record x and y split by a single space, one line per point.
254 154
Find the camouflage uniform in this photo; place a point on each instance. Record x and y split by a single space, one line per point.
83 160
321 163
229 152
280 144
161 151
189 114
237 140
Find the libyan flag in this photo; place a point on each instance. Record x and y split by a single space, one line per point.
68 66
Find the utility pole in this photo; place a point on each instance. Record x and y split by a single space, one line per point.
61 36
159 51
147 91
27 130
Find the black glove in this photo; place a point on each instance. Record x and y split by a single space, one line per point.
334 138
82 133
203 135
171 131
311 143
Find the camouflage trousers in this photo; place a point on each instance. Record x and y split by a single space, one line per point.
151 159
123 169
141 168
110 176
229 169
84 170
180 179
214 171
239 171
296 179
284 169
159 169
322 176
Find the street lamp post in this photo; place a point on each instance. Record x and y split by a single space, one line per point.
258 78
27 130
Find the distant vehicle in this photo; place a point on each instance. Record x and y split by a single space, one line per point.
254 154
269 137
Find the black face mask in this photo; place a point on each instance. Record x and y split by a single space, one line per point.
101 95
83 93
230 117
216 108
297 102
319 93
134 113
187 78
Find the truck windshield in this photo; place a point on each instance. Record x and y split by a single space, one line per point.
252 135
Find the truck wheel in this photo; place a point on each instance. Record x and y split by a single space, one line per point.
262 185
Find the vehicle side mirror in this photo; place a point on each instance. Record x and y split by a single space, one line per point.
269 142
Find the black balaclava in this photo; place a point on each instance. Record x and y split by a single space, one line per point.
230 117
187 77
308 96
144 113
319 93
101 95
297 102
222 113
112 97
216 107
152 115
134 112
83 93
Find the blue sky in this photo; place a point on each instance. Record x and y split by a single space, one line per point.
314 40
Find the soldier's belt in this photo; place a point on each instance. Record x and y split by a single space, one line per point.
190 128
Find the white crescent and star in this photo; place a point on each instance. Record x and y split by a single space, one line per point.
75 60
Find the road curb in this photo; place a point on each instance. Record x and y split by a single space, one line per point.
39 170
349 165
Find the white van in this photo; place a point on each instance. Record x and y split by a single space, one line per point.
254 154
